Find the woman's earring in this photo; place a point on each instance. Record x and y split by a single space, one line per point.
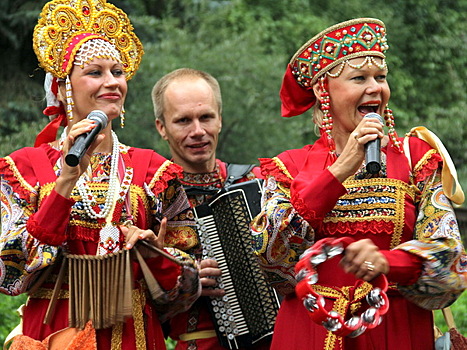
122 118
69 99
389 118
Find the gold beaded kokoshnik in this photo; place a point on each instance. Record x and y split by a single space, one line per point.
64 26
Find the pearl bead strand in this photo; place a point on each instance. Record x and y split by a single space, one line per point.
88 198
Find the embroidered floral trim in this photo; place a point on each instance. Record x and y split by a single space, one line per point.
367 227
76 231
213 178
427 165
309 215
374 200
275 167
41 234
166 172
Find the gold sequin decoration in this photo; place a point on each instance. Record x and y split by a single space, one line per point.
62 20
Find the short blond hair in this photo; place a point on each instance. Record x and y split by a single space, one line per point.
160 87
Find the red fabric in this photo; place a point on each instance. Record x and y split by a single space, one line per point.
314 192
405 267
429 167
73 47
50 229
310 196
404 327
295 99
168 279
49 133
50 223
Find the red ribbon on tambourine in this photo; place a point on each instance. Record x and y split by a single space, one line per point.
346 298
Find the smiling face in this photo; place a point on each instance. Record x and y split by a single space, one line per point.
191 125
100 84
356 92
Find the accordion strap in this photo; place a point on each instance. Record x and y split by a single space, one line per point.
236 171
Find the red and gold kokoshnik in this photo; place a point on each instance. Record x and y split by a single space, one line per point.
343 41
65 25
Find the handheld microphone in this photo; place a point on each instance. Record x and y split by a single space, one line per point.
85 140
373 150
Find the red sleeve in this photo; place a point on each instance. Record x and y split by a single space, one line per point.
404 268
314 198
49 223
165 271
257 171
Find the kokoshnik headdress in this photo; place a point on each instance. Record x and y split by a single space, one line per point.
73 32
333 47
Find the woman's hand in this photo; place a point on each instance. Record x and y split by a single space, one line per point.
70 175
353 153
208 270
134 234
364 260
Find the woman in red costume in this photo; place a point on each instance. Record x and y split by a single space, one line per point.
114 198
399 218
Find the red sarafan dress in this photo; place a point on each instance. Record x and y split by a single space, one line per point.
404 211
37 222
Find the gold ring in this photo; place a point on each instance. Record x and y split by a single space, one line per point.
369 265
355 135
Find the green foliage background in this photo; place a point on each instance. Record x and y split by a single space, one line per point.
246 45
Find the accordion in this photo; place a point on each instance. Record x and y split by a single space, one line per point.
247 312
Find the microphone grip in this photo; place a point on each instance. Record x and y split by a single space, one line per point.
76 152
81 145
373 156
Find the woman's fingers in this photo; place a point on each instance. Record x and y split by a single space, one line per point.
364 260
133 234
159 241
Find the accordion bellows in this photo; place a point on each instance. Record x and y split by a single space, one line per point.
247 312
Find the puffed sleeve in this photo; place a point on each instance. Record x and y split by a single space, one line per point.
180 283
280 234
26 235
436 241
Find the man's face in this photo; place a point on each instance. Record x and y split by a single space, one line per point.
191 124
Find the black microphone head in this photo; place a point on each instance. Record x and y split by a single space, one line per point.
100 117
374 115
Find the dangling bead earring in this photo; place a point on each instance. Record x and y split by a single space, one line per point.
69 99
122 118
326 125
389 118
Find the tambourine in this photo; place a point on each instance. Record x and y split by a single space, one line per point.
374 292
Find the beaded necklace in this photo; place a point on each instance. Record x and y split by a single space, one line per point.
90 203
111 212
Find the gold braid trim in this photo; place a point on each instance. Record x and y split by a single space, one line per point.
46 293
159 173
341 303
282 167
117 332
139 300
18 175
423 161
